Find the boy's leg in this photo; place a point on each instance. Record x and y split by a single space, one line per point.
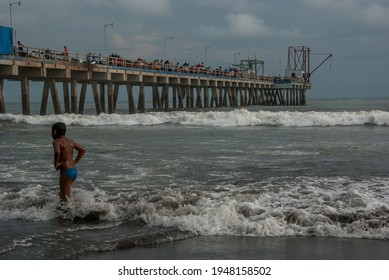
64 187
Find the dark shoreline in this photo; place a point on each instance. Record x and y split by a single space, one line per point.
255 248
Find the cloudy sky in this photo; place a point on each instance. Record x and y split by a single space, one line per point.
355 31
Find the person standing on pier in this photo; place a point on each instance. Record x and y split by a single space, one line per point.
63 159
20 49
66 52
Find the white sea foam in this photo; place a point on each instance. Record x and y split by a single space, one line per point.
235 118
38 203
303 206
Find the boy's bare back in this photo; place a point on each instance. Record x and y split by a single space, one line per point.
63 153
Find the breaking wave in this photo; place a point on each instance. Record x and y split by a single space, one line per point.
235 118
302 206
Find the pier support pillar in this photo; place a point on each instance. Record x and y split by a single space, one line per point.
230 98
131 102
73 98
296 91
214 98
157 105
115 96
257 95
102 97
233 96
287 97
82 98
220 93
96 98
2 104
25 95
141 100
206 97
189 97
242 97
174 97
303 97
110 91
180 97
66 97
185 93
261 97
225 96
251 97
165 96
199 103
45 96
54 96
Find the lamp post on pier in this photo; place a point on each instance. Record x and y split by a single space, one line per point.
235 54
105 38
10 17
167 38
10 10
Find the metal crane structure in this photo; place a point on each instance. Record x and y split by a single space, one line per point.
252 66
299 59
329 56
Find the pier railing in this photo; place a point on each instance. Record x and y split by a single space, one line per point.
50 55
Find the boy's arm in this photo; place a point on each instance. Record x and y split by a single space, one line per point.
57 155
80 150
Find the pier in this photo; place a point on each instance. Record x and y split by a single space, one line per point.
172 87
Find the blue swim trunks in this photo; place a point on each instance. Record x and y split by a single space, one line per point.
71 173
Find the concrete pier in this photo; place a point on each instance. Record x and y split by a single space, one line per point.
172 89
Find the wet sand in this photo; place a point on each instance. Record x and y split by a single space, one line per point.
261 248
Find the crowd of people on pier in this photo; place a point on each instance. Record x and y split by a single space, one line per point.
158 65
168 65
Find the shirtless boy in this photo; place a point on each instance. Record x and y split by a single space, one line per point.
63 158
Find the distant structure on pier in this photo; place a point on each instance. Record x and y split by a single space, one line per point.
173 87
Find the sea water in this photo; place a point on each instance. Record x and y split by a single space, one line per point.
255 177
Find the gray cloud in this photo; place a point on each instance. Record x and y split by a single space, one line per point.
244 25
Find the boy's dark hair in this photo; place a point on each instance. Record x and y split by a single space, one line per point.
60 128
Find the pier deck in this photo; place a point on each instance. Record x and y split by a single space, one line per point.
172 88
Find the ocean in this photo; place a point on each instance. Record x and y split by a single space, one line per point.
260 182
